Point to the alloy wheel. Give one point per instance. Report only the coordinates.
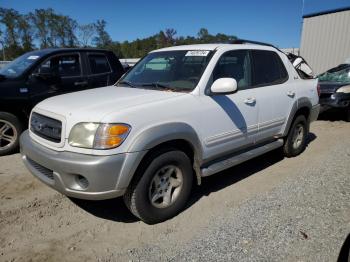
(165, 186)
(8, 134)
(298, 136)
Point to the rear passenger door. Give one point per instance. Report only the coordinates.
(99, 70)
(71, 73)
(275, 92)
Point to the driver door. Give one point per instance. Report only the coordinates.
(57, 75)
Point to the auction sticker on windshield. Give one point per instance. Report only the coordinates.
(197, 53)
(33, 57)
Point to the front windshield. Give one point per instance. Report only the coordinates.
(19, 65)
(170, 70)
(339, 74)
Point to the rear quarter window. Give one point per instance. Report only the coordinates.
(268, 68)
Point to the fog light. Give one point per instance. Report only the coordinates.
(333, 96)
(82, 181)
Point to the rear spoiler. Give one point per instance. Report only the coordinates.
(301, 66)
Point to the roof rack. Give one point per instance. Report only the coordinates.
(244, 41)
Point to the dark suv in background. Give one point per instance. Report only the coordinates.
(335, 89)
(40, 74)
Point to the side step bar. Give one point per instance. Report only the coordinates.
(235, 160)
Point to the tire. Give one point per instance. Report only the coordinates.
(10, 130)
(169, 196)
(295, 142)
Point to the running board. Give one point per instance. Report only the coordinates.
(235, 160)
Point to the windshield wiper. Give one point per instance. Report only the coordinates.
(127, 83)
(159, 86)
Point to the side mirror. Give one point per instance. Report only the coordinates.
(224, 86)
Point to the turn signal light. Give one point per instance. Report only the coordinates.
(117, 130)
(111, 135)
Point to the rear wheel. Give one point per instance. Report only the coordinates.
(163, 189)
(10, 130)
(295, 142)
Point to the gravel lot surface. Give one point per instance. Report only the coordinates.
(268, 209)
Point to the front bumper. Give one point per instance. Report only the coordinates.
(63, 171)
(338, 100)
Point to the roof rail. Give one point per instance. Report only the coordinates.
(244, 41)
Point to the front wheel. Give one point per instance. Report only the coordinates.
(10, 130)
(295, 142)
(163, 189)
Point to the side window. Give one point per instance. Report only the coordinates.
(99, 64)
(66, 65)
(45, 67)
(69, 65)
(234, 64)
(268, 68)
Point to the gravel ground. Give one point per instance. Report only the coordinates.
(268, 209)
(303, 219)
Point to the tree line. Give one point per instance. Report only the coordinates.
(44, 28)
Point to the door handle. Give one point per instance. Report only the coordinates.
(250, 101)
(82, 83)
(290, 93)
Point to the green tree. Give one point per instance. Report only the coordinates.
(66, 31)
(9, 18)
(170, 36)
(102, 39)
(26, 33)
(40, 21)
(86, 34)
(2, 43)
(50, 29)
(203, 35)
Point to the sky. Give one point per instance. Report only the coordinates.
(275, 21)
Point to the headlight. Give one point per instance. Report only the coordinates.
(98, 136)
(83, 135)
(344, 89)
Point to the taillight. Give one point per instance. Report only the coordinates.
(318, 90)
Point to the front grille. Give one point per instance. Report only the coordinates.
(42, 170)
(46, 127)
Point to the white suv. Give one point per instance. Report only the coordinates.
(180, 114)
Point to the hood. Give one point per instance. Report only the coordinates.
(96, 103)
(330, 87)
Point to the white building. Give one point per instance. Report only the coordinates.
(325, 40)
